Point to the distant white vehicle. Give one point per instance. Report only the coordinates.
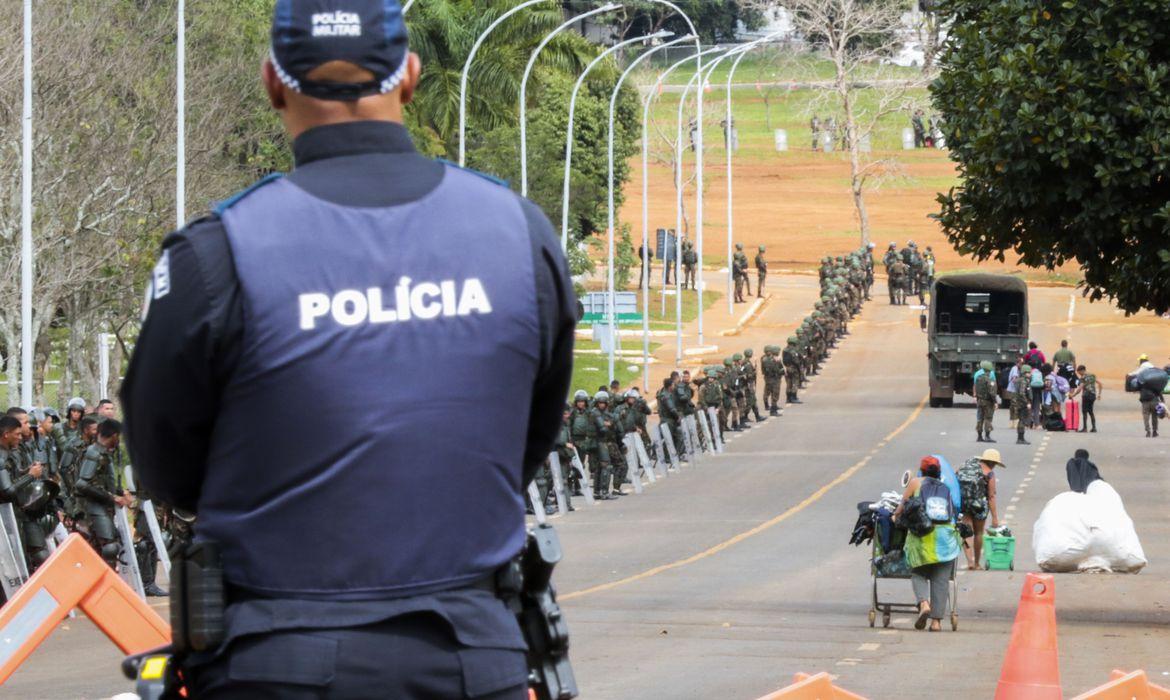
(911, 56)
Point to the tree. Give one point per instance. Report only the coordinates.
(443, 33)
(715, 20)
(855, 35)
(548, 122)
(1058, 115)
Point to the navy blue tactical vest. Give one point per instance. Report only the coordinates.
(362, 451)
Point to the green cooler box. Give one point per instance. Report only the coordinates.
(999, 552)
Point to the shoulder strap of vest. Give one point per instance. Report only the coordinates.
(490, 178)
(231, 201)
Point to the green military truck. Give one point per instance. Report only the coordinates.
(974, 317)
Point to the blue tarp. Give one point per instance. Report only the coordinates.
(952, 481)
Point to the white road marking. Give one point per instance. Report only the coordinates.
(869, 646)
(1011, 507)
(848, 662)
(1015, 499)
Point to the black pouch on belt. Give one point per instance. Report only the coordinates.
(197, 599)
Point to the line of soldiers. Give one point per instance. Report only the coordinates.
(595, 427)
(909, 271)
(739, 272)
(68, 475)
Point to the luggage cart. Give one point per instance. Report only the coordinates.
(888, 608)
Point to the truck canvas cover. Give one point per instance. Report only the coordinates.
(980, 304)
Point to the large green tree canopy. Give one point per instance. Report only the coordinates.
(1058, 115)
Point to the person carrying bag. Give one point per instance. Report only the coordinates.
(932, 542)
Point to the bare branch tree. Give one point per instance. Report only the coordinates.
(855, 35)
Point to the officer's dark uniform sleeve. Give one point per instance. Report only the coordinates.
(189, 343)
(557, 305)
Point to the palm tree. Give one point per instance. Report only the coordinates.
(442, 32)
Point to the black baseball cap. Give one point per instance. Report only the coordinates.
(371, 34)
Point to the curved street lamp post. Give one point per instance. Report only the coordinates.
(647, 103)
(467, 72)
(610, 271)
(608, 7)
(570, 131)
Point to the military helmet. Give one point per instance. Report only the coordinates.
(727, 362)
(632, 394)
(870, 246)
(911, 244)
(986, 366)
(601, 396)
(739, 246)
(1025, 368)
(893, 245)
(748, 353)
(75, 402)
(763, 249)
(738, 357)
(581, 395)
(793, 340)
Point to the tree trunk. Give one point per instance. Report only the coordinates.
(853, 143)
(42, 354)
(12, 342)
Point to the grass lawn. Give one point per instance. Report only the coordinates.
(591, 371)
(666, 322)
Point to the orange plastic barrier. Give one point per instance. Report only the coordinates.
(1127, 686)
(76, 577)
(818, 687)
(1031, 668)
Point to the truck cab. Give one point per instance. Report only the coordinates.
(973, 318)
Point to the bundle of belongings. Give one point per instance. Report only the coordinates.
(875, 520)
(1087, 527)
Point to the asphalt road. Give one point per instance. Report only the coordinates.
(725, 579)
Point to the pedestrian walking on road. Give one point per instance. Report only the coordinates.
(977, 484)
(987, 396)
(1088, 389)
(1034, 357)
(930, 551)
(1022, 402)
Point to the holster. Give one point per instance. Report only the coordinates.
(198, 600)
(525, 585)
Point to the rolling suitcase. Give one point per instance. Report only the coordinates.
(1072, 416)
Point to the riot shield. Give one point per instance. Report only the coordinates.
(554, 465)
(583, 473)
(668, 443)
(633, 462)
(645, 458)
(11, 560)
(537, 504)
(160, 545)
(713, 417)
(127, 561)
(12, 532)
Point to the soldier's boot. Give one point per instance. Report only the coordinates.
(756, 411)
(978, 436)
(775, 411)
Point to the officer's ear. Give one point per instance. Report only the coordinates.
(410, 82)
(273, 86)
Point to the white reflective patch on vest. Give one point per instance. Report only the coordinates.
(161, 280)
(413, 302)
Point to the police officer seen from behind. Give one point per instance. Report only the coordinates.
(359, 549)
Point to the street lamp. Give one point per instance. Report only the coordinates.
(646, 215)
(524, 88)
(467, 72)
(181, 118)
(26, 216)
(572, 113)
(741, 52)
(612, 112)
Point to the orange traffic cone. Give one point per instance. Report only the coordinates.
(1031, 668)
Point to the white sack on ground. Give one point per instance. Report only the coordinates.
(1087, 532)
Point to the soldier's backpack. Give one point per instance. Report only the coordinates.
(973, 486)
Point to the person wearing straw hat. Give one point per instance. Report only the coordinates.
(977, 484)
